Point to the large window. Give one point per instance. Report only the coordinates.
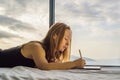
(22, 21)
(95, 27)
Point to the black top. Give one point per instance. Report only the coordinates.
(13, 57)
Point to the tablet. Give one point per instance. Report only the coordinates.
(92, 67)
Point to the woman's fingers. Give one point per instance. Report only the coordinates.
(80, 63)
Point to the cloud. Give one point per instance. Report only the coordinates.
(23, 18)
(14, 24)
(4, 34)
(93, 18)
(12, 28)
(90, 11)
(15, 8)
(4, 20)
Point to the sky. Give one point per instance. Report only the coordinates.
(22, 21)
(95, 24)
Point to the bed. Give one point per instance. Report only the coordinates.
(27, 73)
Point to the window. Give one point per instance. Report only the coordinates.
(95, 26)
(22, 21)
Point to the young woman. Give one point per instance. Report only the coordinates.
(53, 52)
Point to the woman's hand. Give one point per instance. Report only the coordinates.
(79, 63)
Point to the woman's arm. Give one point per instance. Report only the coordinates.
(38, 55)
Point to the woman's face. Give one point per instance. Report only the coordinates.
(65, 41)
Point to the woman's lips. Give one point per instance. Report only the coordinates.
(64, 47)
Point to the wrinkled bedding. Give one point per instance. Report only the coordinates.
(27, 73)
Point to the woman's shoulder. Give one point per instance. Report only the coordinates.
(33, 44)
(31, 47)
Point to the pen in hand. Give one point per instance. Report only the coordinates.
(80, 53)
(81, 57)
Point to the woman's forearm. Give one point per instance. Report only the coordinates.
(58, 66)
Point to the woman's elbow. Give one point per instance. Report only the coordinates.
(44, 67)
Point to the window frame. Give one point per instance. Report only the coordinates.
(51, 12)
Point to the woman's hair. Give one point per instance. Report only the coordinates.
(50, 45)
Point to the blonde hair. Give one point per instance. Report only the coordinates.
(49, 44)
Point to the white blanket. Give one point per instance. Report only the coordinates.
(27, 73)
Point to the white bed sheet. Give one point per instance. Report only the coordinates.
(27, 73)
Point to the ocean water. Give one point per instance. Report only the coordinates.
(107, 62)
(104, 62)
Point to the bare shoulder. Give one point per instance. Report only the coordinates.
(31, 48)
(32, 45)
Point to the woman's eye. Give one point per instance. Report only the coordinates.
(66, 39)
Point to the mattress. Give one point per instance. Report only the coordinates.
(27, 73)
